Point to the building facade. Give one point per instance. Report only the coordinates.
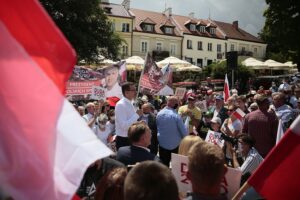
(199, 41)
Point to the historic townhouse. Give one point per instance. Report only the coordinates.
(203, 43)
(241, 41)
(165, 34)
(155, 33)
(122, 23)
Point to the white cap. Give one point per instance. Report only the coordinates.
(216, 120)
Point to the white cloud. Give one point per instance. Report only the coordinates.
(249, 13)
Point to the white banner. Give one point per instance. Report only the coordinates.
(98, 93)
(229, 185)
(180, 92)
(214, 138)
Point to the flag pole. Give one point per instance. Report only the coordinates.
(241, 191)
(142, 73)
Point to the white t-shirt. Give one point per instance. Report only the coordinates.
(102, 135)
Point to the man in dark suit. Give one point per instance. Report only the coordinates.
(139, 135)
(150, 120)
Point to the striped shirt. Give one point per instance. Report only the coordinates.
(251, 162)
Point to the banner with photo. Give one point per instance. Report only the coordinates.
(83, 78)
(154, 80)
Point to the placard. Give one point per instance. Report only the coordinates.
(98, 93)
(214, 138)
(229, 185)
(180, 92)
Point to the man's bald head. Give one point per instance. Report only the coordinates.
(172, 101)
(146, 108)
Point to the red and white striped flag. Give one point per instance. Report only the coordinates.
(239, 114)
(45, 145)
(226, 92)
(278, 176)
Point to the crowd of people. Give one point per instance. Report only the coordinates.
(143, 133)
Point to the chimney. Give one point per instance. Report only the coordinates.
(192, 15)
(235, 25)
(168, 12)
(126, 4)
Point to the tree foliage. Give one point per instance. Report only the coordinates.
(86, 27)
(282, 29)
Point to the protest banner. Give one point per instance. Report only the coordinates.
(214, 138)
(81, 87)
(229, 185)
(151, 77)
(180, 92)
(98, 93)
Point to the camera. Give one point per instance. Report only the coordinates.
(232, 140)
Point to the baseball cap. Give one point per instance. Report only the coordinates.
(112, 101)
(192, 96)
(219, 97)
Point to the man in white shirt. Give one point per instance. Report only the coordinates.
(90, 117)
(125, 114)
(112, 82)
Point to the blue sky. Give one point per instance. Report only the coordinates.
(249, 13)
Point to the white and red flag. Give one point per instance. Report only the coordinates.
(278, 176)
(226, 92)
(239, 114)
(45, 146)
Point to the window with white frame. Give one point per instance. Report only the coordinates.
(232, 47)
(200, 45)
(125, 27)
(189, 44)
(212, 30)
(113, 26)
(125, 50)
(168, 30)
(209, 46)
(144, 46)
(193, 27)
(158, 46)
(173, 49)
(148, 28)
(202, 29)
(219, 48)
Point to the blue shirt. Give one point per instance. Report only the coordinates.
(170, 128)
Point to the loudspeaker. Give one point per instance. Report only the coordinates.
(232, 58)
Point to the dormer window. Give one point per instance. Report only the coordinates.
(212, 30)
(202, 29)
(192, 27)
(168, 30)
(148, 28)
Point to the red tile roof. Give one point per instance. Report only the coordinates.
(234, 33)
(148, 21)
(181, 22)
(116, 10)
(158, 18)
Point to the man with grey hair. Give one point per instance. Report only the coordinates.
(282, 110)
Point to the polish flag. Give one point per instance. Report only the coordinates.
(239, 114)
(45, 146)
(226, 92)
(278, 176)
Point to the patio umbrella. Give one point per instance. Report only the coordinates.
(174, 62)
(134, 63)
(191, 68)
(255, 64)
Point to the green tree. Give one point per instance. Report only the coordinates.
(86, 27)
(282, 29)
